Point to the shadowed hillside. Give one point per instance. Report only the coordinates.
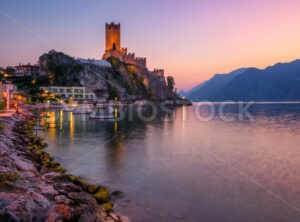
(280, 82)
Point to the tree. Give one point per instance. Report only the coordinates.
(170, 83)
(10, 70)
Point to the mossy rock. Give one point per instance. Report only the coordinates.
(28, 131)
(102, 196)
(43, 145)
(92, 189)
(30, 148)
(118, 193)
(58, 169)
(54, 164)
(5, 187)
(72, 177)
(78, 181)
(108, 206)
(11, 176)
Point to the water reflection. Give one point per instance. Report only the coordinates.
(71, 126)
(165, 169)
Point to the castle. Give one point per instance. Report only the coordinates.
(113, 49)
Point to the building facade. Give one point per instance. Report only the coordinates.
(28, 70)
(71, 92)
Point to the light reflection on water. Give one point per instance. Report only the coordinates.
(182, 170)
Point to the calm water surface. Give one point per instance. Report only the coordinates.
(189, 170)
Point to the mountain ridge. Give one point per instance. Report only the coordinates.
(279, 82)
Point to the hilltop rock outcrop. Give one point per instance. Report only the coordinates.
(123, 80)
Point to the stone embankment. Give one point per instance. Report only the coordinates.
(35, 188)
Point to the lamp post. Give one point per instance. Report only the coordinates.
(7, 98)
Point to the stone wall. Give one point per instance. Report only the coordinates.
(126, 57)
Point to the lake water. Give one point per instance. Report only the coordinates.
(185, 169)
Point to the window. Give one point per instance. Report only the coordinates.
(76, 90)
(76, 96)
(86, 96)
(54, 90)
(69, 90)
(61, 90)
(81, 90)
(91, 96)
(63, 96)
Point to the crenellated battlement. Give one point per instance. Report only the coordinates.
(158, 72)
(113, 26)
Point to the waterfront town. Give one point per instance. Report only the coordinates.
(149, 111)
(31, 95)
(57, 79)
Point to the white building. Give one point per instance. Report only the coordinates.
(70, 92)
(27, 70)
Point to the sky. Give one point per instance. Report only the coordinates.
(191, 39)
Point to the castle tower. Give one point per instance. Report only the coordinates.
(113, 36)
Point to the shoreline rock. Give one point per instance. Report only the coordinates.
(34, 188)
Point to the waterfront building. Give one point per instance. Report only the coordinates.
(28, 70)
(70, 92)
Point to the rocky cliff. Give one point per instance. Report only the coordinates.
(122, 80)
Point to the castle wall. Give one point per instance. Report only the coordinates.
(158, 72)
(127, 58)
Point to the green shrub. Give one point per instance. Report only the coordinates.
(1, 105)
(113, 92)
(115, 62)
(1, 126)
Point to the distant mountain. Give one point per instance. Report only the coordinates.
(182, 93)
(216, 83)
(280, 82)
(186, 94)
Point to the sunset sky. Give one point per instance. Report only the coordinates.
(191, 39)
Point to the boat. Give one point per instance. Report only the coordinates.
(68, 108)
(83, 111)
(101, 116)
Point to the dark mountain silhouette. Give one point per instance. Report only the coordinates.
(212, 86)
(183, 93)
(280, 82)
